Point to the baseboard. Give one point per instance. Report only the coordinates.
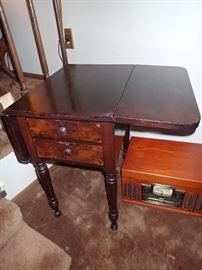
(20, 196)
(28, 190)
(33, 75)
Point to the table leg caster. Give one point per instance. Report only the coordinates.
(114, 226)
(57, 213)
(113, 218)
(53, 203)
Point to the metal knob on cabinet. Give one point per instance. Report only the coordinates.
(62, 131)
(67, 151)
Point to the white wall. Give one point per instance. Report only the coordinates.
(139, 32)
(16, 176)
(163, 32)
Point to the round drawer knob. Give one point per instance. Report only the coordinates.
(67, 152)
(62, 131)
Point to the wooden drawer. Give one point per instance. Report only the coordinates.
(62, 129)
(84, 153)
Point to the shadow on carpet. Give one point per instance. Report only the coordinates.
(147, 239)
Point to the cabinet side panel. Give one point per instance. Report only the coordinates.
(15, 136)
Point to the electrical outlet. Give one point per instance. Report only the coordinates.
(68, 38)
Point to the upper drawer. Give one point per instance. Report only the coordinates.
(73, 130)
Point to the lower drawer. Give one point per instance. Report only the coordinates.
(75, 152)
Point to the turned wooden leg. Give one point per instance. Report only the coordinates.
(111, 190)
(109, 169)
(43, 175)
(126, 141)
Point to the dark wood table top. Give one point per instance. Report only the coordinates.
(160, 97)
(148, 96)
(78, 92)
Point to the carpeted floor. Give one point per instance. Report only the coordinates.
(146, 239)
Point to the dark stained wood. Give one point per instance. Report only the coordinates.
(177, 164)
(3, 60)
(70, 118)
(75, 152)
(28, 140)
(57, 5)
(28, 190)
(126, 140)
(15, 135)
(41, 169)
(11, 48)
(66, 130)
(78, 92)
(159, 97)
(109, 155)
(43, 176)
(37, 36)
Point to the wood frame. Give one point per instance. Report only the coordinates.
(58, 16)
(11, 49)
(38, 39)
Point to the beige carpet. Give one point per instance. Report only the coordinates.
(146, 239)
(22, 248)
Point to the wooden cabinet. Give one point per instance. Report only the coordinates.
(163, 174)
(71, 116)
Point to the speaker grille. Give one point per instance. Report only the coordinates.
(192, 202)
(132, 191)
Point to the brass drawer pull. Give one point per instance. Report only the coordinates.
(62, 131)
(67, 152)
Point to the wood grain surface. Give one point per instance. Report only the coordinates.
(162, 161)
(159, 97)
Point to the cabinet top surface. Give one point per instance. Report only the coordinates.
(162, 158)
(148, 96)
(79, 92)
(158, 96)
